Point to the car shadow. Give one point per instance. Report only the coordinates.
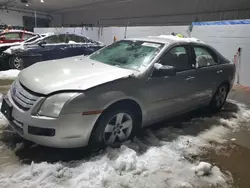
(178, 126)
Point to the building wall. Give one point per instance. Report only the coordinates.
(227, 38)
(160, 12)
(11, 17)
(106, 34)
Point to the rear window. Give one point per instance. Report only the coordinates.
(78, 39)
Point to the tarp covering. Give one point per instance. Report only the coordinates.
(226, 22)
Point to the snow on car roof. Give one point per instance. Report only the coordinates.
(167, 39)
(176, 38)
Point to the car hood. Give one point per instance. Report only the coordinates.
(75, 73)
(5, 46)
(15, 49)
(9, 44)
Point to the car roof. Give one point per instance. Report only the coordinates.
(168, 39)
(18, 31)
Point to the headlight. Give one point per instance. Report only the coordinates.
(53, 105)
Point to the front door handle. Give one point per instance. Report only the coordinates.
(219, 71)
(190, 78)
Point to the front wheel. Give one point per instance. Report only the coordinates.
(219, 98)
(16, 63)
(114, 127)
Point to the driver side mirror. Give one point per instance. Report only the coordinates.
(163, 70)
(42, 43)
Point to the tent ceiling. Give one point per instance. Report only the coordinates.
(56, 6)
(63, 6)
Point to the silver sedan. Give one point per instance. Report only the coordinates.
(104, 99)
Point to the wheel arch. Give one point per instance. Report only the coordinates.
(132, 104)
(128, 103)
(227, 83)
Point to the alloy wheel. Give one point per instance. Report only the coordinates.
(17, 63)
(118, 129)
(221, 96)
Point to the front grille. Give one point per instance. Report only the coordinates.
(22, 97)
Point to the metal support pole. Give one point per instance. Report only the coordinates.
(238, 61)
(126, 29)
(35, 19)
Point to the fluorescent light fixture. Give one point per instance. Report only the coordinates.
(42, 1)
(123, 1)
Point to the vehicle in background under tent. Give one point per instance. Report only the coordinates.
(5, 46)
(15, 36)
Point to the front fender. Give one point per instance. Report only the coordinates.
(93, 102)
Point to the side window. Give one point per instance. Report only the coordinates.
(204, 57)
(74, 39)
(27, 36)
(52, 39)
(63, 38)
(178, 58)
(13, 36)
(84, 39)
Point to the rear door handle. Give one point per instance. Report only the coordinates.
(219, 71)
(190, 78)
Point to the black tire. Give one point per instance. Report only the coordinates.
(16, 62)
(97, 139)
(219, 98)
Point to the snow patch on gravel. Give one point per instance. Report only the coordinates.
(9, 74)
(166, 161)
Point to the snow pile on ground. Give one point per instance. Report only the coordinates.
(203, 168)
(158, 167)
(162, 158)
(9, 74)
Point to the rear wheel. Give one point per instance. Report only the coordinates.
(219, 98)
(16, 63)
(114, 127)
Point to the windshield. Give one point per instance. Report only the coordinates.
(32, 39)
(128, 54)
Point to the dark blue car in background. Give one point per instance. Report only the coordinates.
(50, 47)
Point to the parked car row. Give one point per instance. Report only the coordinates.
(13, 45)
(45, 47)
(106, 98)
